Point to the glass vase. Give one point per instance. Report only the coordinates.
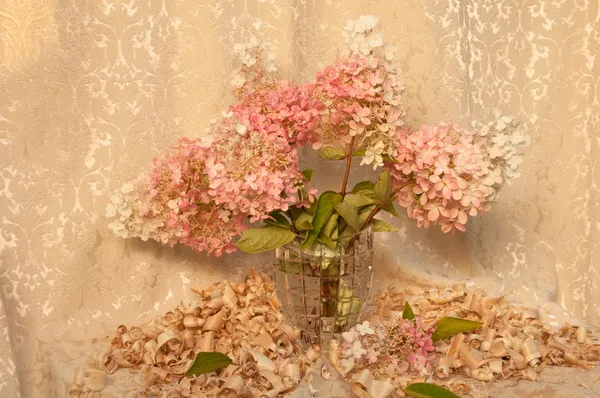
(322, 290)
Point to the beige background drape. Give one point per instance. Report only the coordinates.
(91, 90)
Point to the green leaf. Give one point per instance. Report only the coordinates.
(358, 200)
(427, 390)
(449, 326)
(331, 153)
(364, 214)
(262, 239)
(330, 225)
(323, 210)
(382, 226)
(408, 312)
(389, 159)
(383, 187)
(346, 232)
(334, 234)
(326, 241)
(279, 221)
(363, 186)
(308, 174)
(207, 362)
(349, 213)
(362, 152)
(295, 212)
(303, 222)
(391, 209)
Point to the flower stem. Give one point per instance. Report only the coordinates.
(368, 220)
(379, 207)
(348, 163)
(400, 188)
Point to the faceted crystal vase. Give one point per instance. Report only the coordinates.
(323, 290)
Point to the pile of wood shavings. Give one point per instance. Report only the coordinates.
(512, 343)
(240, 320)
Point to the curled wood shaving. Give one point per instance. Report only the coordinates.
(86, 381)
(375, 388)
(512, 342)
(240, 320)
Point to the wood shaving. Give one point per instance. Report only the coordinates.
(240, 320)
(512, 343)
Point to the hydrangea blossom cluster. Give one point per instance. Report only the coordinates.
(289, 110)
(361, 96)
(170, 204)
(202, 191)
(389, 349)
(251, 167)
(257, 60)
(445, 173)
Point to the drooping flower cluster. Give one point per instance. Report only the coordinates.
(170, 204)
(361, 96)
(447, 173)
(389, 349)
(201, 193)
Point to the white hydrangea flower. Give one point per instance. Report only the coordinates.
(374, 40)
(349, 336)
(111, 210)
(511, 174)
(502, 142)
(365, 23)
(514, 161)
(364, 328)
(389, 51)
(254, 53)
(127, 188)
(118, 228)
(238, 80)
(116, 199)
(174, 205)
(373, 155)
(348, 364)
(355, 351)
(359, 35)
(224, 215)
(240, 128)
(496, 152)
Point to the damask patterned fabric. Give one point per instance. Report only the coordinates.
(92, 90)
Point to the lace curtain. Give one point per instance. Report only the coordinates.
(90, 91)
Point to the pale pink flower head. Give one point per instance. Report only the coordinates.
(285, 108)
(255, 172)
(443, 171)
(361, 97)
(389, 348)
(172, 203)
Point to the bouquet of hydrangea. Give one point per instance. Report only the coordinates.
(206, 192)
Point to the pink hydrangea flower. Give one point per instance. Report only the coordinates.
(202, 191)
(360, 96)
(390, 348)
(257, 171)
(443, 173)
(287, 109)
